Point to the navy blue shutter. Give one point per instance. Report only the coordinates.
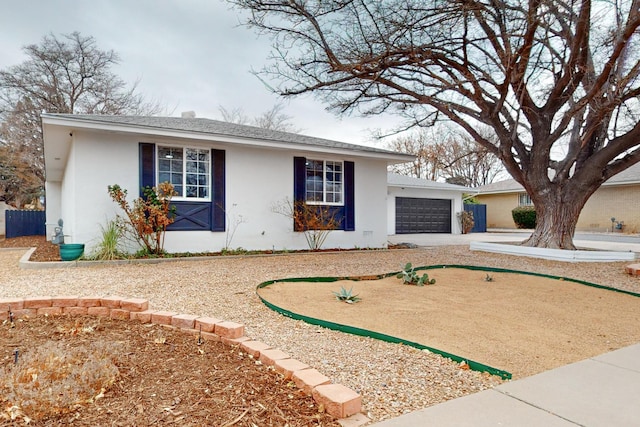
(147, 165)
(218, 185)
(349, 221)
(299, 178)
(299, 184)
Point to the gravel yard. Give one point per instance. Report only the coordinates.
(393, 379)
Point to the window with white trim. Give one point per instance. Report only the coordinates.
(188, 169)
(524, 200)
(325, 182)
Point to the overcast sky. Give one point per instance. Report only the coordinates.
(192, 55)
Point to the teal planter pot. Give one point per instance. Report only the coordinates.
(71, 251)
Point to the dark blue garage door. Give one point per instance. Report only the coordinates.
(415, 215)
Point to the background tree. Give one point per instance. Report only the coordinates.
(67, 74)
(557, 82)
(424, 145)
(273, 119)
(21, 157)
(468, 163)
(456, 158)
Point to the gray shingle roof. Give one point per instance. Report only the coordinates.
(628, 176)
(216, 127)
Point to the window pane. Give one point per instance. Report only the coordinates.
(192, 167)
(185, 165)
(324, 181)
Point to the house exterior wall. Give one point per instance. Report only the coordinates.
(620, 202)
(423, 193)
(499, 207)
(53, 192)
(257, 180)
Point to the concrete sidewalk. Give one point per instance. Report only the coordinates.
(600, 391)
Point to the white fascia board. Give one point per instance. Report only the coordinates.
(220, 138)
(435, 187)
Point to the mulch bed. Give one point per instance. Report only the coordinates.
(46, 251)
(165, 377)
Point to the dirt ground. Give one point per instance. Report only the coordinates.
(237, 391)
(491, 322)
(164, 378)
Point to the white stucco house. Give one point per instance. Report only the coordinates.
(417, 205)
(229, 178)
(3, 208)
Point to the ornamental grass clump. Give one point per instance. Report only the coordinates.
(109, 246)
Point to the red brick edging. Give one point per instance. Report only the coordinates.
(633, 269)
(338, 400)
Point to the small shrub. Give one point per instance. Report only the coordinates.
(53, 380)
(524, 216)
(149, 216)
(488, 278)
(347, 296)
(410, 277)
(466, 221)
(315, 221)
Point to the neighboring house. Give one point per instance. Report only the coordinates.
(417, 205)
(230, 179)
(617, 198)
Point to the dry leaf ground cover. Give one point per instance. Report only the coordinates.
(392, 379)
(90, 371)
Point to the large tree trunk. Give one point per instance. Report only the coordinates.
(556, 219)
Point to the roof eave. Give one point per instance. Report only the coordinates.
(83, 123)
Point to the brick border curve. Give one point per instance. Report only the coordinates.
(633, 269)
(338, 400)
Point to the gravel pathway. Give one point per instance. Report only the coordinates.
(393, 379)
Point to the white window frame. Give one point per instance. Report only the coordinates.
(524, 199)
(184, 171)
(324, 183)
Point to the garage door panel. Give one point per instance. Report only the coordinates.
(418, 215)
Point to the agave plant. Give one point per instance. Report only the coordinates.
(346, 295)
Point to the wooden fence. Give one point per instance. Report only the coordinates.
(24, 223)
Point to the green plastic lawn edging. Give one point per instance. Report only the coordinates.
(476, 366)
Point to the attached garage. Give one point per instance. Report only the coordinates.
(416, 206)
(416, 215)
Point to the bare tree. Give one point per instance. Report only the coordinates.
(21, 157)
(467, 163)
(235, 115)
(429, 154)
(273, 119)
(542, 74)
(67, 74)
(442, 155)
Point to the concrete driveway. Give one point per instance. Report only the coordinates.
(601, 241)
